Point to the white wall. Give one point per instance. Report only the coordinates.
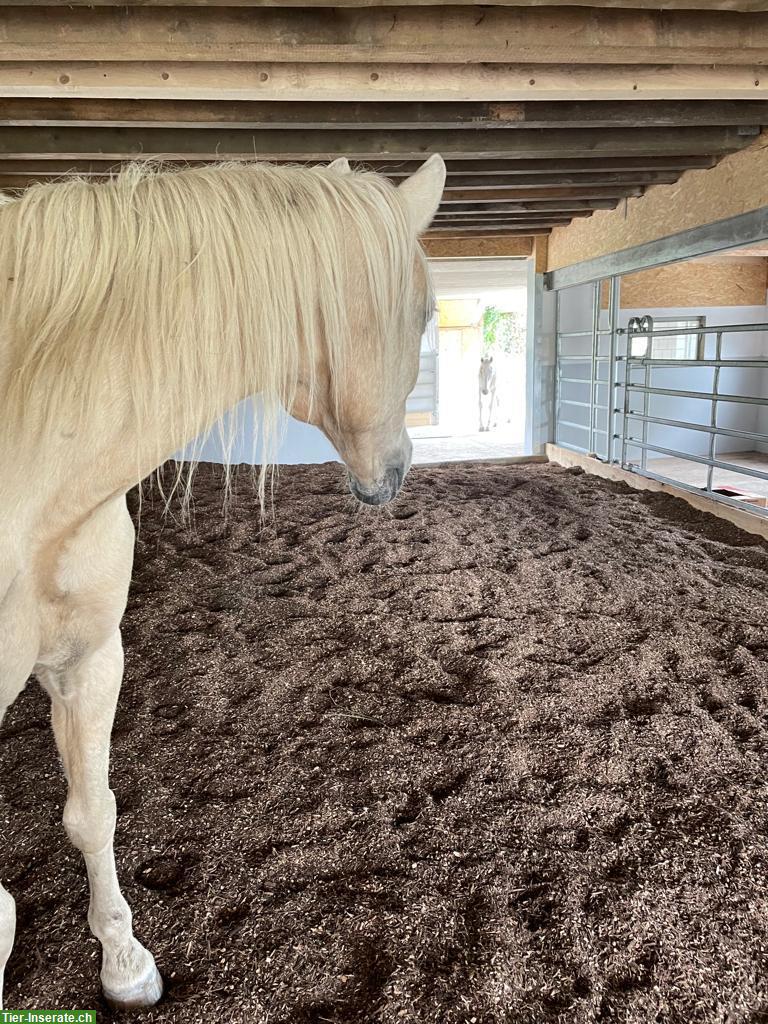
(300, 442)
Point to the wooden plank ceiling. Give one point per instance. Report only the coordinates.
(544, 111)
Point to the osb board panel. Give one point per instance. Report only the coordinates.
(512, 246)
(739, 183)
(540, 250)
(694, 283)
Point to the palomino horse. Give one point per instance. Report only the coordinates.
(486, 382)
(134, 313)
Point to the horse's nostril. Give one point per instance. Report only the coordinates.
(385, 491)
(395, 478)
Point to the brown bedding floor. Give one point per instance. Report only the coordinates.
(496, 754)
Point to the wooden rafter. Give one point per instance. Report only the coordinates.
(458, 232)
(377, 80)
(72, 111)
(502, 194)
(698, 5)
(651, 170)
(194, 143)
(569, 206)
(387, 35)
(546, 112)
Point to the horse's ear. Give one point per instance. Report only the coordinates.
(423, 191)
(341, 166)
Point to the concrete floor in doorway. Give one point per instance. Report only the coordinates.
(430, 447)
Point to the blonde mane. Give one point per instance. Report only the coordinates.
(203, 281)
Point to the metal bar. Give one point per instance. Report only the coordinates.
(731, 233)
(582, 426)
(713, 418)
(745, 435)
(581, 380)
(634, 442)
(580, 334)
(706, 395)
(718, 328)
(738, 363)
(585, 358)
(570, 401)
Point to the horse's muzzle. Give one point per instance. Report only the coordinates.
(382, 491)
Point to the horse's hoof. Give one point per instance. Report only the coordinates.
(146, 992)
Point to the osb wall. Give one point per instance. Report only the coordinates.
(511, 246)
(739, 183)
(700, 283)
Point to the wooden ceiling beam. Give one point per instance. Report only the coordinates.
(459, 232)
(507, 218)
(195, 143)
(652, 170)
(481, 213)
(258, 79)
(672, 5)
(117, 113)
(477, 197)
(410, 34)
(570, 206)
(497, 195)
(47, 170)
(633, 181)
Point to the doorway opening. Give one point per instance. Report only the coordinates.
(469, 400)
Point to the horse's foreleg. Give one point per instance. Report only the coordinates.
(14, 671)
(7, 916)
(84, 700)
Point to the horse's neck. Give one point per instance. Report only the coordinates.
(66, 474)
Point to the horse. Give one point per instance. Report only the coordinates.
(487, 390)
(133, 314)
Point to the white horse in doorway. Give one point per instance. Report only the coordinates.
(132, 315)
(486, 381)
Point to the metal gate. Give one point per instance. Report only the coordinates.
(619, 401)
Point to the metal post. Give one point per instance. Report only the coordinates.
(613, 314)
(646, 404)
(625, 419)
(593, 369)
(713, 420)
(558, 367)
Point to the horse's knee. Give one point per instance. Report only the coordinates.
(90, 824)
